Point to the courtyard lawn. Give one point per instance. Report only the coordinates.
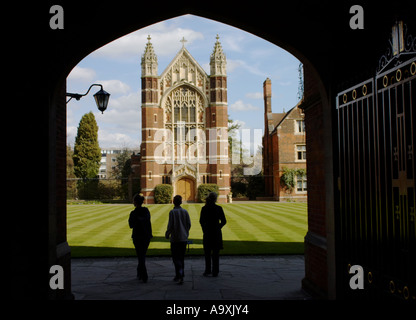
(252, 228)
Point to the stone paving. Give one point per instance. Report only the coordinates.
(240, 278)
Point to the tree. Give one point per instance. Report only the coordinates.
(87, 153)
(71, 186)
(232, 128)
(123, 170)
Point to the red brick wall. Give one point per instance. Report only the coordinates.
(59, 253)
(268, 145)
(218, 89)
(287, 153)
(316, 267)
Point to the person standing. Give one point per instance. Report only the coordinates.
(212, 220)
(178, 230)
(139, 221)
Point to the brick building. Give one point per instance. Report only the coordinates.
(184, 124)
(109, 161)
(284, 146)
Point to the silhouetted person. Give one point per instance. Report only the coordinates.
(139, 220)
(178, 230)
(212, 220)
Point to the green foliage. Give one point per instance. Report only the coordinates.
(71, 184)
(110, 189)
(205, 189)
(135, 185)
(288, 178)
(255, 187)
(163, 193)
(122, 171)
(87, 153)
(88, 189)
(238, 188)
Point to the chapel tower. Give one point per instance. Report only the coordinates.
(217, 122)
(184, 124)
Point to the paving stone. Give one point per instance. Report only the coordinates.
(240, 278)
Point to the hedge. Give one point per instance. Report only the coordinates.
(205, 189)
(163, 193)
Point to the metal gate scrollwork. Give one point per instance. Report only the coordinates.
(376, 145)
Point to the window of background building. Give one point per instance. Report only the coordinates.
(300, 126)
(301, 153)
(301, 184)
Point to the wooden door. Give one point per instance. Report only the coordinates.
(185, 188)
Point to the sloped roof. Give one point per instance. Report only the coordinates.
(183, 52)
(278, 118)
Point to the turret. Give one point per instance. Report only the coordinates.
(149, 60)
(218, 62)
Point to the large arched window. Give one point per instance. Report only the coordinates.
(185, 101)
(181, 108)
(185, 118)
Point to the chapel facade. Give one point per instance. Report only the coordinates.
(184, 124)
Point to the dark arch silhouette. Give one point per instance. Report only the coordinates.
(316, 32)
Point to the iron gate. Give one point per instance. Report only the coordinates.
(376, 222)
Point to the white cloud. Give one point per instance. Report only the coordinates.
(114, 86)
(82, 74)
(71, 133)
(165, 41)
(109, 139)
(120, 125)
(131, 101)
(122, 47)
(232, 65)
(254, 95)
(123, 113)
(239, 105)
(233, 41)
(241, 123)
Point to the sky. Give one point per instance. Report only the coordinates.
(250, 60)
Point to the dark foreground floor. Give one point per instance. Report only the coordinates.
(240, 278)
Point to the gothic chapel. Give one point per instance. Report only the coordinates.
(184, 124)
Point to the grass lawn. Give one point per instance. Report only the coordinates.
(252, 228)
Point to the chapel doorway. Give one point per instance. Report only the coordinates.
(186, 188)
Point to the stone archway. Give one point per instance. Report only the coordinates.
(316, 108)
(316, 32)
(185, 187)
